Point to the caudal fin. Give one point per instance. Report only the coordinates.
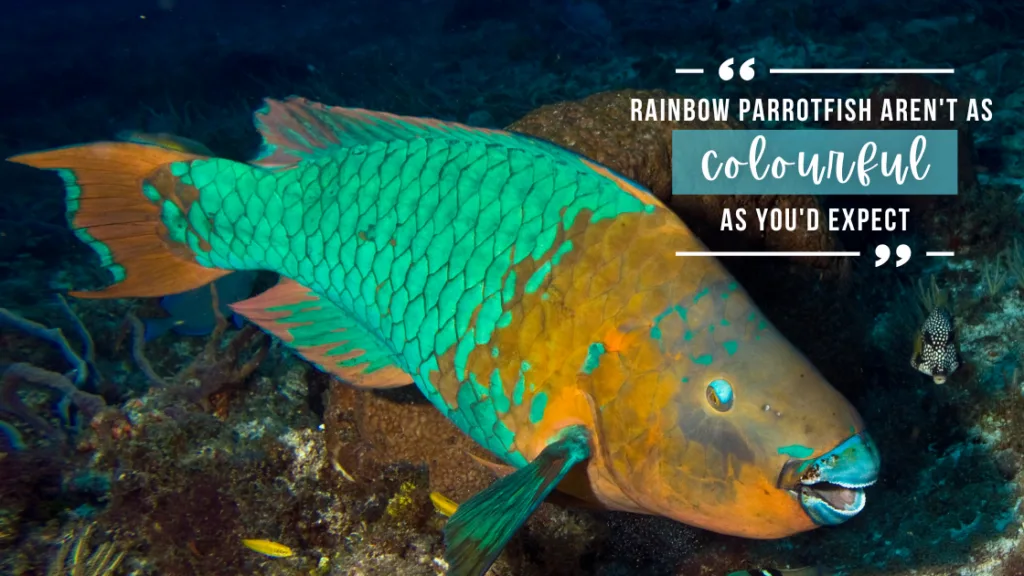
(120, 198)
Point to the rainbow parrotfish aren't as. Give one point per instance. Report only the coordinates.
(531, 294)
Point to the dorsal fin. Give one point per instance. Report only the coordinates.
(323, 334)
(298, 129)
(165, 140)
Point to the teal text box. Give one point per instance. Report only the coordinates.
(721, 161)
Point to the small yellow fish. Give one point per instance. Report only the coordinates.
(269, 548)
(442, 504)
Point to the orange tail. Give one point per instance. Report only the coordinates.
(115, 194)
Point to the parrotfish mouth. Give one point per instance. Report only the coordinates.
(830, 488)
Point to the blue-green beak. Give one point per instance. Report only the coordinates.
(831, 486)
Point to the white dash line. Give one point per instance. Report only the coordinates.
(784, 254)
(861, 70)
(689, 70)
(947, 254)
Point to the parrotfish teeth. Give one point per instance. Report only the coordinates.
(828, 513)
(831, 489)
(853, 486)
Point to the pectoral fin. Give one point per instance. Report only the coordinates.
(482, 526)
(572, 492)
(324, 334)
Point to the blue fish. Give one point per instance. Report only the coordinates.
(191, 313)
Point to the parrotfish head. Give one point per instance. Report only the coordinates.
(727, 426)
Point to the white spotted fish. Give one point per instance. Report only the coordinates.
(935, 347)
(527, 291)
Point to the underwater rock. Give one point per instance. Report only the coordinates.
(1008, 463)
(600, 128)
(367, 431)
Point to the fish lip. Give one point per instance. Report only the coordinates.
(830, 488)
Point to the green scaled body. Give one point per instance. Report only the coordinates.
(418, 242)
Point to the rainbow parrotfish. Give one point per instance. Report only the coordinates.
(531, 294)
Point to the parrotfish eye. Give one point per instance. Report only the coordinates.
(719, 395)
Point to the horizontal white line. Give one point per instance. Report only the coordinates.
(860, 70)
(689, 70)
(940, 254)
(719, 254)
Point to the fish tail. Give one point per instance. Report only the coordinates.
(130, 204)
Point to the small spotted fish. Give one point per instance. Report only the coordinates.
(531, 294)
(268, 548)
(935, 348)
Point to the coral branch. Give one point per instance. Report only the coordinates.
(88, 347)
(1015, 262)
(18, 375)
(55, 336)
(214, 370)
(139, 352)
(14, 441)
(993, 275)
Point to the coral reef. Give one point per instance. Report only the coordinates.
(78, 558)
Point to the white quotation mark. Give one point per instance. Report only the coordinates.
(883, 253)
(746, 70)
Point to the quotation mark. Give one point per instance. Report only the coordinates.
(746, 70)
(883, 253)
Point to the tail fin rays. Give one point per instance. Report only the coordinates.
(109, 187)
